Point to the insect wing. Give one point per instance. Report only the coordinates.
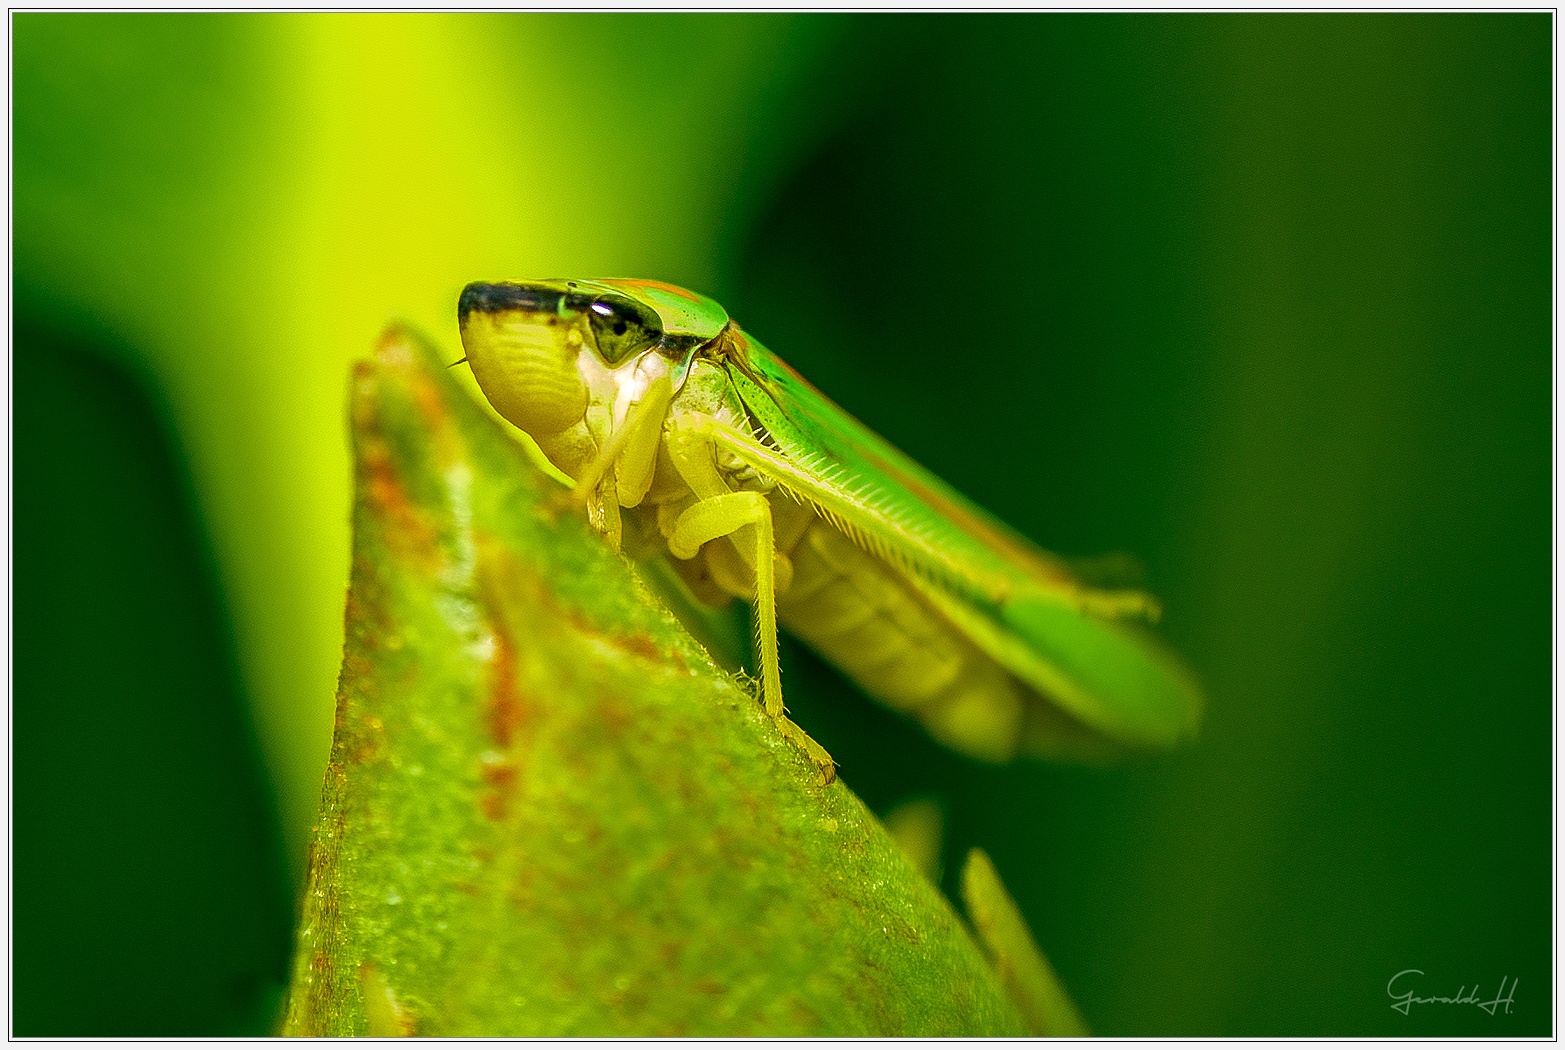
(1018, 603)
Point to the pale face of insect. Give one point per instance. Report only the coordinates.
(552, 354)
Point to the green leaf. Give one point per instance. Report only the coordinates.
(548, 812)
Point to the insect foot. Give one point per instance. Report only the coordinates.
(816, 754)
(792, 732)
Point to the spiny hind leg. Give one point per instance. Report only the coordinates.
(727, 515)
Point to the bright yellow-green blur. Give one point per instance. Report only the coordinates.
(348, 170)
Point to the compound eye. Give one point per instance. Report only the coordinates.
(622, 328)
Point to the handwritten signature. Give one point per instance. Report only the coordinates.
(1404, 1000)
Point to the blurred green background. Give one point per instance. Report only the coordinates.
(1264, 299)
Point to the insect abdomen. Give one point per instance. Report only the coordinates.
(857, 613)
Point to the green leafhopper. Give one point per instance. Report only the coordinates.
(689, 439)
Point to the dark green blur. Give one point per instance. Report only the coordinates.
(1264, 300)
(148, 886)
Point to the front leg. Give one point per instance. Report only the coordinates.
(620, 473)
(719, 514)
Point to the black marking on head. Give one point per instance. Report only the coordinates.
(496, 298)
